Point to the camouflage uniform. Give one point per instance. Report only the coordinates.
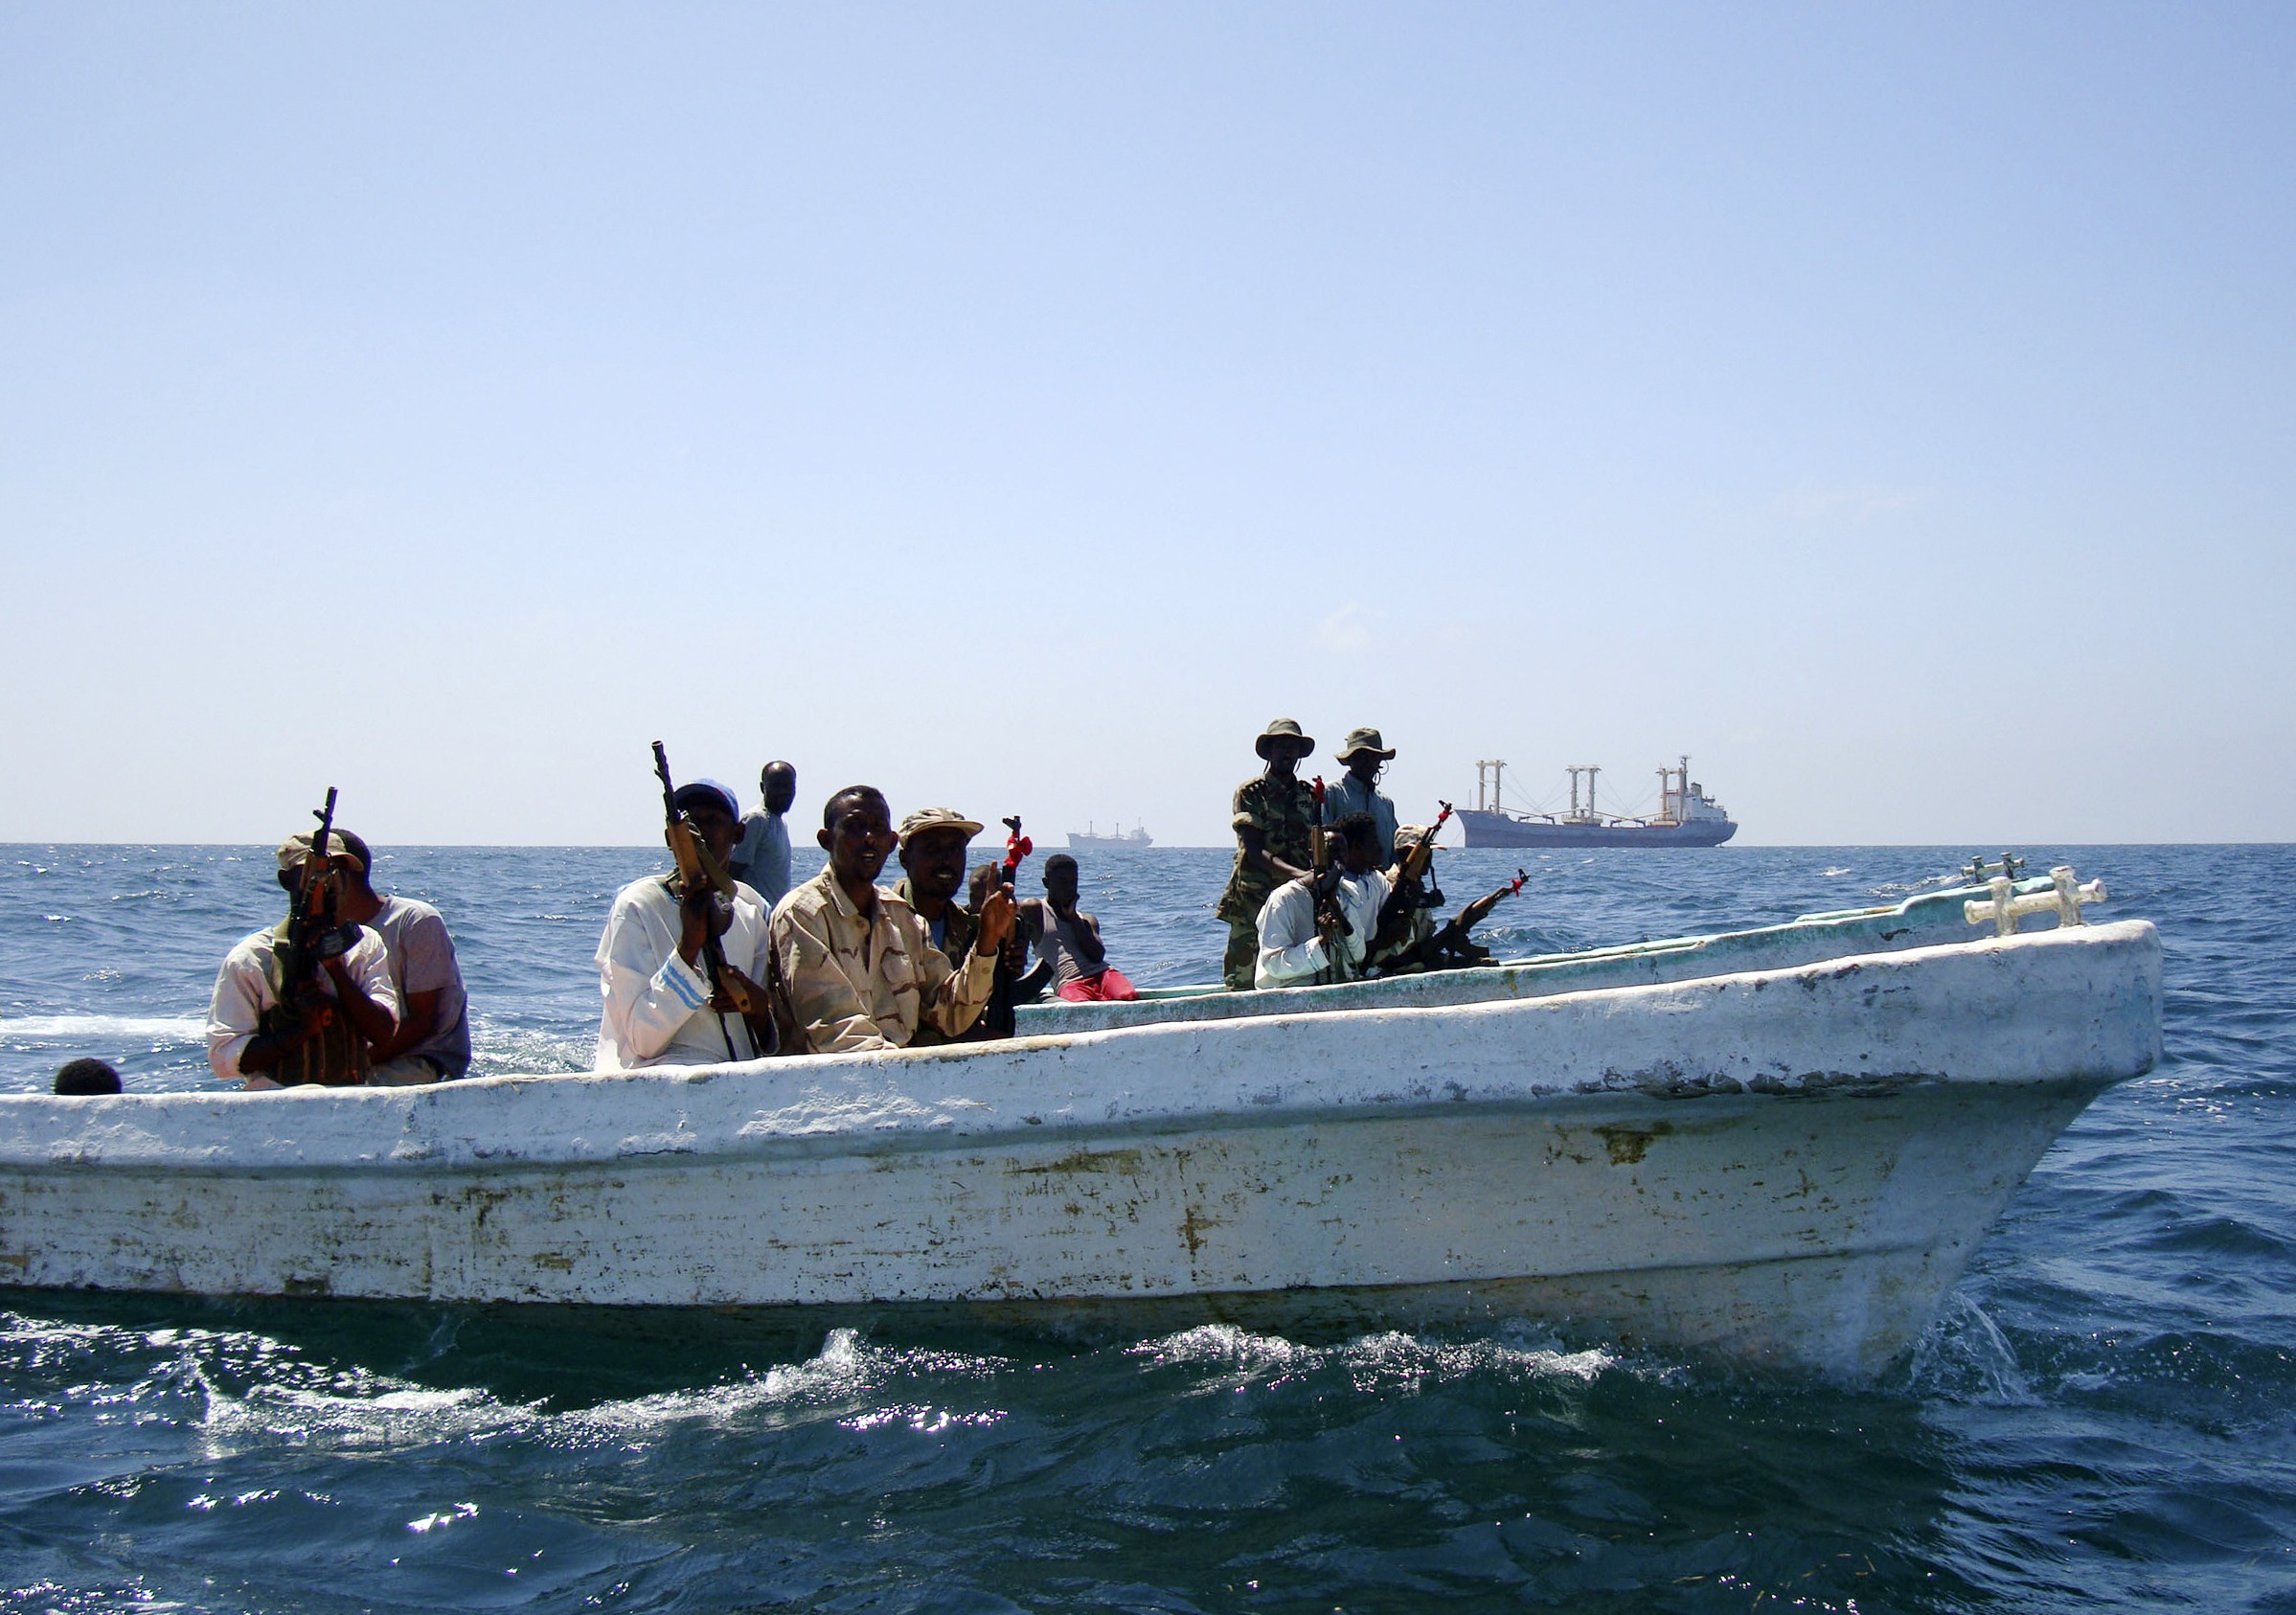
(959, 926)
(867, 981)
(1284, 812)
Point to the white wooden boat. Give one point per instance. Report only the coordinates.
(1788, 1162)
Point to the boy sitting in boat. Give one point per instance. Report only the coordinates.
(858, 967)
(1317, 928)
(1069, 941)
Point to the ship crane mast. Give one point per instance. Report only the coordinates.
(1590, 770)
(1486, 777)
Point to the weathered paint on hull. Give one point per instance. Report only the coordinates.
(1646, 1161)
(1497, 829)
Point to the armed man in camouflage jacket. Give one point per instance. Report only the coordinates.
(1274, 816)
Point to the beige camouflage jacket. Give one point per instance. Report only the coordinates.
(867, 982)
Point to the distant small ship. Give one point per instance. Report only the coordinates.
(1686, 817)
(1079, 842)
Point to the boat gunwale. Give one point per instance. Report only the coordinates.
(1505, 977)
(890, 1117)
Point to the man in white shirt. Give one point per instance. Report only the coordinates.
(266, 1031)
(1295, 950)
(661, 1007)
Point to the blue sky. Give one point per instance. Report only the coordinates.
(1018, 406)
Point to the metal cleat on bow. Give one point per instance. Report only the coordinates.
(2005, 907)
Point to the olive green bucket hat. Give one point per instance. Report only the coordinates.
(1365, 741)
(1283, 729)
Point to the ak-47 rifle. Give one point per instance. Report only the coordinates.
(1016, 848)
(1407, 894)
(1452, 948)
(311, 921)
(997, 1016)
(1323, 881)
(699, 867)
(1423, 851)
(314, 936)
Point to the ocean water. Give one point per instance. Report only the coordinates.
(2104, 1416)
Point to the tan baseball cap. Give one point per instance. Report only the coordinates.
(1407, 836)
(937, 818)
(296, 847)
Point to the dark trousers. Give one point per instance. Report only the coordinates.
(1242, 957)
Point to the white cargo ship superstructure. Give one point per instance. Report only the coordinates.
(1686, 817)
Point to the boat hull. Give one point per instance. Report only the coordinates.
(1789, 1166)
(1498, 830)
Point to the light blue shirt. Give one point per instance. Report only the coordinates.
(761, 861)
(1352, 796)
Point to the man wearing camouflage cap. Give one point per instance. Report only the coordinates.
(932, 843)
(267, 1032)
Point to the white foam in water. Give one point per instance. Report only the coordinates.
(166, 1029)
(1388, 1354)
(1964, 1357)
(372, 1413)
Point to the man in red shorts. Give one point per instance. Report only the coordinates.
(1070, 942)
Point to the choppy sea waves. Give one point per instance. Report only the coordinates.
(2105, 1414)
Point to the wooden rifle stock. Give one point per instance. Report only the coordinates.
(1403, 897)
(1423, 851)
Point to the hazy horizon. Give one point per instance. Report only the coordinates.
(1020, 405)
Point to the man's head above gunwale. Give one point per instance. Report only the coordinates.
(1363, 754)
(1359, 841)
(1283, 743)
(933, 841)
(713, 812)
(347, 855)
(777, 785)
(856, 832)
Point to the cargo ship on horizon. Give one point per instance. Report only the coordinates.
(1089, 841)
(1686, 817)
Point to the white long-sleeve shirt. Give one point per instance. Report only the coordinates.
(657, 1006)
(1292, 953)
(243, 992)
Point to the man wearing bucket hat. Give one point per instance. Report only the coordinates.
(1272, 817)
(661, 1007)
(264, 1031)
(1363, 755)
